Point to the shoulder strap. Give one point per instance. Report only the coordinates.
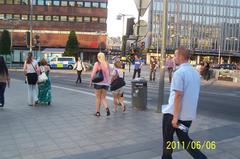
(116, 72)
(34, 67)
(99, 65)
(42, 68)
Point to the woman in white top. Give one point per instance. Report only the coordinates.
(79, 66)
(31, 71)
(118, 94)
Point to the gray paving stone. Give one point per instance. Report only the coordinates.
(34, 156)
(223, 156)
(69, 130)
(49, 148)
(138, 155)
(9, 154)
(54, 154)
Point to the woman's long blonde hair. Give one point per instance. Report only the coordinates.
(101, 57)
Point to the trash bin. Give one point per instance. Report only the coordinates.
(139, 94)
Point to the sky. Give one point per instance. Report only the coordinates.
(114, 26)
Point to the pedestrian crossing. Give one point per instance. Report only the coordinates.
(152, 88)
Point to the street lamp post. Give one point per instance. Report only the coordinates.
(30, 26)
(219, 53)
(162, 60)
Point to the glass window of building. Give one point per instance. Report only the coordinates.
(8, 16)
(24, 17)
(72, 3)
(48, 18)
(40, 17)
(95, 19)
(16, 16)
(79, 19)
(55, 18)
(25, 2)
(56, 3)
(103, 5)
(40, 2)
(49, 2)
(34, 2)
(102, 20)
(80, 4)
(1, 1)
(95, 5)
(64, 3)
(17, 2)
(63, 18)
(87, 19)
(1, 16)
(87, 4)
(34, 17)
(71, 18)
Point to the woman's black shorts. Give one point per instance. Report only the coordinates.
(96, 86)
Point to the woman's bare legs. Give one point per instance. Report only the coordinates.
(104, 101)
(115, 101)
(98, 100)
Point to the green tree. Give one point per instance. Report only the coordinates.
(72, 46)
(5, 43)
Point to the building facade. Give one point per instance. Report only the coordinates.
(210, 28)
(52, 20)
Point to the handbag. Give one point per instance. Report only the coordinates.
(117, 83)
(42, 77)
(98, 77)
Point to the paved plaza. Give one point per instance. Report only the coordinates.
(68, 130)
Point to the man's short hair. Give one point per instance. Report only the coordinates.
(184, 52)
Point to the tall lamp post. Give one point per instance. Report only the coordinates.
(163, 58)
(30, 26)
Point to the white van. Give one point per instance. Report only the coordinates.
(65, 62)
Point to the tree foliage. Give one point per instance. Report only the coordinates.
(5, 43)
(72, 46)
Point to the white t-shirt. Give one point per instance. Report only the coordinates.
(117, 70)
(79, 66)
(187, 80)
(30, 66)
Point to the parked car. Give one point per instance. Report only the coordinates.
(228, 66)
(62, 62)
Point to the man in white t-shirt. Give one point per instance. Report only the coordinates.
(182, 106)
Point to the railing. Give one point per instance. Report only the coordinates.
(227, 75)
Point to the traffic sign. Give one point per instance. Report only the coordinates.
(142, 6)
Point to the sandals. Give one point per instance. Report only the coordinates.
(108, 111)
(124, 108)
(98, 113)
